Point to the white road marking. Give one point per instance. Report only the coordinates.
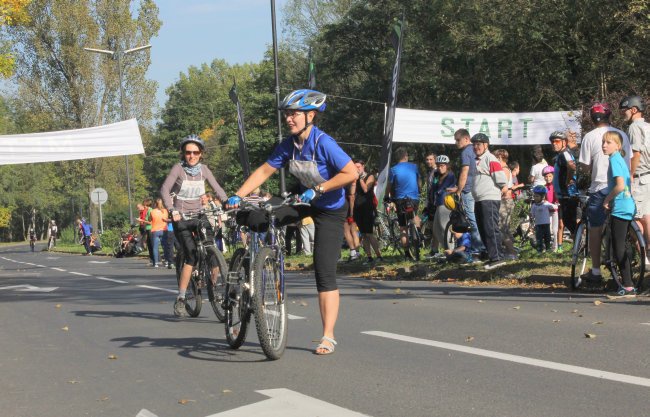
(29, 263)
(41, 266)
(112, 280)
(292, 317)
(646, 324)
(81, 273)
(595, 373)
(98, 262)
(286, 403)
(145, 413)
(28, 288)
(158, 288)
(60, 269)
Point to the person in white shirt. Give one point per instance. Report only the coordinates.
(593, 160)
(536, 177)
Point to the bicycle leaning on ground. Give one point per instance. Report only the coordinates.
(255, 285)
(634, 246)
(211, 269)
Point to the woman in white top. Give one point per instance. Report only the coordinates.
(536, 177)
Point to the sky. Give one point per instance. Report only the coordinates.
(194, 32)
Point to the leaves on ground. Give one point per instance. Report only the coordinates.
(226, 391)
(103, 398)
(556, 321)
(65, 328)
(373, 290)
(184, 401)
(111, 356)
(553, 311)
(516, 307)
(397, 291)
(590, 335)
(469, 339)
(574, 311)
(598, 322)
(480, 301)
(597, 302)
(57, 306)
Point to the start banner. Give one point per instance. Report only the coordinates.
(423, 126)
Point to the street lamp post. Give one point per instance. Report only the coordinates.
(118, 55)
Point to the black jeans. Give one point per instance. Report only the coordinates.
(543, 236)
(619, 231)
(487, 220)
(569, 213)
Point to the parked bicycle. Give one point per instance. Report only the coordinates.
(255, 285)
(634, 245)
(414, 238)
(387, 230)
(211, 269)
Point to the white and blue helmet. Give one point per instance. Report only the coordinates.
(304, 100)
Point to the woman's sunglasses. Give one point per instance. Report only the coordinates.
(192, 152)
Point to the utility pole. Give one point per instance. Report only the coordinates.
(118, 55)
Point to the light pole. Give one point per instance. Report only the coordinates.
(117, 55)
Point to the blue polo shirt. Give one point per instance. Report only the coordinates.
(330, 160)
(404, 177)
(624, 207)
(468, 158)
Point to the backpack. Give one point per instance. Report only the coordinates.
(459, 222)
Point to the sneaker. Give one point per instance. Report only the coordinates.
(355, 256)
(180, 309)
(495, 264)
(589, 278)
(626, 292)
(432, 255)
(155, 265)
(169, 265)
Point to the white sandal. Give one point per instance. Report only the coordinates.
(329, 349)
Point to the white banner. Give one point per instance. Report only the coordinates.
(422, 126)
(116, 139)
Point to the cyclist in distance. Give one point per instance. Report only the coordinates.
(323, 170)
(186, 181)
(32, 238)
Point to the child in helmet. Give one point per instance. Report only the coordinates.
(556, 239)
(541, 212)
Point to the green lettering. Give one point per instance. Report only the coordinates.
(485, 128)
(526, 121)
(447, 123)
(505, 125)
(467, 122)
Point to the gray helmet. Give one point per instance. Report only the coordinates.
(480, 137)
(558, 134)
(632, 101)
(442, 159)
(193, 139)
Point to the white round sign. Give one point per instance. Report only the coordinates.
(98, 196)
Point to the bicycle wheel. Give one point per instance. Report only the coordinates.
(193, 298)
(635, 248)
(579, 257)
(414, 241)
(214, 259)
(395, 239)
(268, 304)
(237, 311)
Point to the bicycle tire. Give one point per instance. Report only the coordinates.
(214, 258)
(448, 237)
(395, 237)
(414, 241)
(635, 247)
(237, 311)
(579, 255)
(193, 298)
(269, 305)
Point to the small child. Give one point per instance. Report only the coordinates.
(541, 212)
(551, 197)
(462, 251)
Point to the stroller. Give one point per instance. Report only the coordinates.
(129, 245)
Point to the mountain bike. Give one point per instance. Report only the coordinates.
(522, 226)
(414, 238)
(255, 285)
(211, 269)
(634, 246)
(32, 243)
(387, 231)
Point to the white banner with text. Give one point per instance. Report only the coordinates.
(423, 126)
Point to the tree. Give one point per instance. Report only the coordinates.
(12, 13)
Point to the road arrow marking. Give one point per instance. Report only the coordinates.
(286, 403)
(112, 280)
(28, 288)
(579, 370)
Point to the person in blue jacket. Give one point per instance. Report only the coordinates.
(323, 170)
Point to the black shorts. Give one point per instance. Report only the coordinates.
(407, 209)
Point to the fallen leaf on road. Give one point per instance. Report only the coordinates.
(111, 356)
(58, 306)
(184, 401)
(597, 302)
(469, 339)
(397, 291)
(226, 391)
(516, 307)
(590, 335)
(65, 328)
(73, 382)
(553, 311)
(103, 399)
(598, 322)
(480, 301)
(395, 302)
(372, 290)
(303, 303)
(556, 321)
(574, 311)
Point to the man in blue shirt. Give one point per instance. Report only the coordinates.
(405, 189)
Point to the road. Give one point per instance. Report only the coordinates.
(95, 336)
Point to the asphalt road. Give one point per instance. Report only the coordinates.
(95, 336)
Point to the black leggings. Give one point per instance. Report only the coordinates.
(619, 233)
(183, 233)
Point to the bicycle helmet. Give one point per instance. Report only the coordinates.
(548, 169)
(304, 100)
(600, 112)
(558, 134)
(442, 159)
(632, 101)
(450, 201)
(193, 139)
(480, 137)
(539, 189)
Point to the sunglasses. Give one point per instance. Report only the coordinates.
(192, 152)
